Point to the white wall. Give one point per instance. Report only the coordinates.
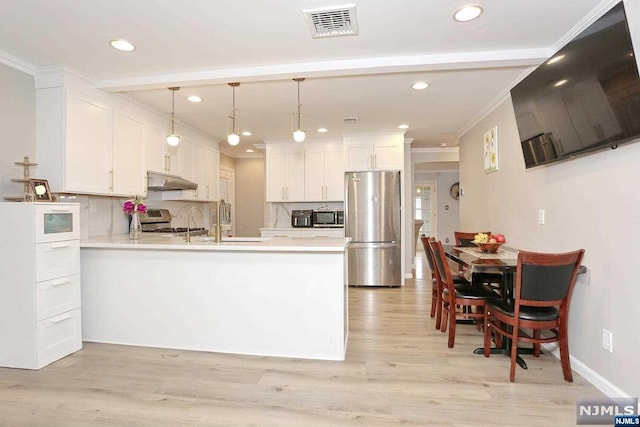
(590, 203)
(18, 124)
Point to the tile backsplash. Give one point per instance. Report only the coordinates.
(103, 216)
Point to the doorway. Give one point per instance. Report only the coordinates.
(424, 208)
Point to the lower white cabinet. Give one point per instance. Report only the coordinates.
(302, 232)
(40, 287)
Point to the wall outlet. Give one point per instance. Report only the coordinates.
(607, 340)
(541, 216)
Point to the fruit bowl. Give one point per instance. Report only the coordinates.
(489, 248)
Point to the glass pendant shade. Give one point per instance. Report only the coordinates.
(233, 139)
(299, 135)
(172, 138)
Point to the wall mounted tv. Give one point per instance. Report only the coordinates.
(585, 98)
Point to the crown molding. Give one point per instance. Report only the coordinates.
(17, 63)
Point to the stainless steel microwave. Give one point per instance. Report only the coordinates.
(328, 218)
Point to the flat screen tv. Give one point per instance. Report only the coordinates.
(583, 99)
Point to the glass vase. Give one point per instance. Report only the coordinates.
(135, 227)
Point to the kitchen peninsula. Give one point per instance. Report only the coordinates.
(272, 297)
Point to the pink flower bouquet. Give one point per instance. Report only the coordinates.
(134, 205)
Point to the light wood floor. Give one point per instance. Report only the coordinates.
(398, 371)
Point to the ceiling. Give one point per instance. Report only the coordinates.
(201, 46)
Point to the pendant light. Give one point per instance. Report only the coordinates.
(233, 136)
(298, 133)
(172, 138)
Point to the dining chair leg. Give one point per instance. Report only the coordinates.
(444, 319)
(439, 310)
(434, 296)
(564, 353)
(452, 328)
(514, 356)
(487, 335)
(536, 346)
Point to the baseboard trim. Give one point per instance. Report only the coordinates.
(601, 383)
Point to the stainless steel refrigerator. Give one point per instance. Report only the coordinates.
(372, 220)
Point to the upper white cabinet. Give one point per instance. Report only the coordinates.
(160, 156)
(211, 167)
(374, 152)
(324, 173)
(86, 147)
(284, 173)
(129, 164)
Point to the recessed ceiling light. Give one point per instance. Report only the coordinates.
(122, 45)
(555, 59)
(403, 126)
(194, 98)
(322, 130)
(467, 13)
(247, 133)
(248, 150)
(443, 144)
(420, 85)
(560, 83)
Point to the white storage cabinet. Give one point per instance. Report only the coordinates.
(285, 173)
(39, 284)
(324, 173)
(374, 152)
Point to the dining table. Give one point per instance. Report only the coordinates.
(504, 261)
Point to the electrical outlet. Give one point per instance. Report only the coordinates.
(541, 216)
(607, 340)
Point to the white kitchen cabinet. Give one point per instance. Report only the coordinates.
(284, 173)
(160, 156)
(324, 173)
(211, 165)
(374, 152)
(129, 163)
(87, 146)
(84, 147)
(40, 292)
(201, 165)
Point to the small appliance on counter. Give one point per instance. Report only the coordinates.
(302, 218)
(328, 218)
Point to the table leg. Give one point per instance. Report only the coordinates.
(507, 294)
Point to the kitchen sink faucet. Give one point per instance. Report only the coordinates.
(187, 238)
(222, 210)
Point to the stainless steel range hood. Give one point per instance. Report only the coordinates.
(166, 182)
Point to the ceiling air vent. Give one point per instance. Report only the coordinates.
(334, 21)
(350, 120)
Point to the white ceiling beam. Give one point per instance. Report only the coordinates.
(383, 65)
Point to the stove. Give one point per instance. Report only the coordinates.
(159, 221)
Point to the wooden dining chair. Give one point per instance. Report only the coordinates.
(458, 301)
(465, 239)
(436, 289)
(541, 297)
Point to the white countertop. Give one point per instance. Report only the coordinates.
(232, 244)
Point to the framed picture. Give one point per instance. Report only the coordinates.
(491, 150)
(40, 189)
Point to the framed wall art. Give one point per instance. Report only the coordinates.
(491, 150)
